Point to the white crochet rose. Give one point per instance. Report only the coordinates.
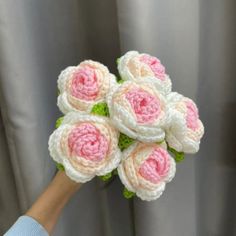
(138, 110)
(185, 129)
(83, 86)
(135, 66)
(86, 145)
(145, 169)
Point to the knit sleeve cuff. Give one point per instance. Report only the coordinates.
(26, 226)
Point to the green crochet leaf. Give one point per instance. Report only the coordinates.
(124, 141)
(115, 172)
(58, 92)
(128, 194)
(117, 61)
(60, 166)
(59, 121)
(160, 142)
(120, 81)
(106, 177)
(179, 156)
(100, 109)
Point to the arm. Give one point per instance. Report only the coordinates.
(46, 210)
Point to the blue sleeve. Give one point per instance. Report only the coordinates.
(26, 226)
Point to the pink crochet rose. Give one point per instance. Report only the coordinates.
(155, 65)
(83, 86)
(86, 141)
(135, 66)
(86, 145)
(156, 166)
(145, 106)
(138, 110)
(185, 129)
(145, 169)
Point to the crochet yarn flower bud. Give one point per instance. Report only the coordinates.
(185, 130)
(138, 110)
(135, 66)
(83, 86)
(145, 169)
(86, 145)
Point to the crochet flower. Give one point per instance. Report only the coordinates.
(83, 86)
(145, 169)
(86, 145)
(138, 110)
(185, 130)
(135, 66)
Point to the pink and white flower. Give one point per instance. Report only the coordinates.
(138, 110)
(86, 145)
(145, 169)
(83, 86)
(135, 66)
(185, 129)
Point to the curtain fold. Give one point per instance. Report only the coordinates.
(38, 40)
(161, 28)
(216, 171)
(195, 40)
(8, 192)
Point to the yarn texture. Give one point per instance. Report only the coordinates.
(185, 129)
(138, 110)
(100, 109)
(145, 169)
(86, 146)
(83, 86)
(125, 141)
(135, 66)
(131, 125)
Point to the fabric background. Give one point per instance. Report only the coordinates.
(196, 41)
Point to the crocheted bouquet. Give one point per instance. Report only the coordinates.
(132, 126)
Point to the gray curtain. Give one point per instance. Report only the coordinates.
(196, 41)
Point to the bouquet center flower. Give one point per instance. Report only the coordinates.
(145, 106)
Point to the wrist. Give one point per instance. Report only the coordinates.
(64, 183)
(52, 200)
